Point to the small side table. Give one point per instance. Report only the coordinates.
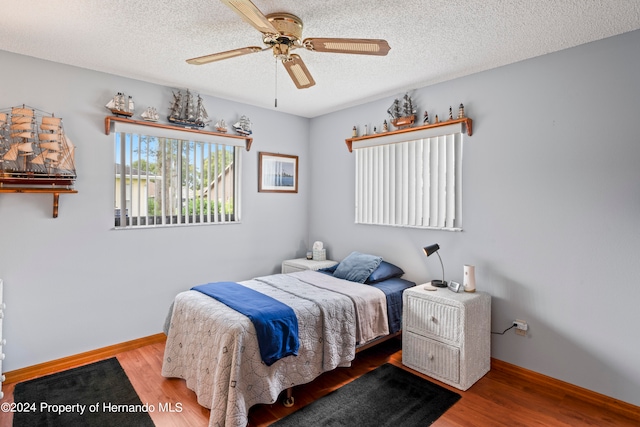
(300, 264)
(447, 335)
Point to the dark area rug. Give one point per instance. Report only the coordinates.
(95, 395)
(386, 396)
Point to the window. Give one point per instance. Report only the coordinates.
(169, 181)
(414, 183)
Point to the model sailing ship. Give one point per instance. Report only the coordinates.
(121, 105)
(150, 114)
(221, 126)
(185, 112)
(243, 126)
(34, 149)
(402, 115)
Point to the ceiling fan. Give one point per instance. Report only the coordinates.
(282, 33)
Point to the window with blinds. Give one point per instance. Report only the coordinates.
(411, 183)
(169, 181)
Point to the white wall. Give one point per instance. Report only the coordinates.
(551, 207)
(74, 284)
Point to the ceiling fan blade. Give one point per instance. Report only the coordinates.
(357, 46)
(298, 72)
(251, 14)
(223, 55)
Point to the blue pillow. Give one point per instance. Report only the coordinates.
(328, 270)
(385, 271)
(357, 267)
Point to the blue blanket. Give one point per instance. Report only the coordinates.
(276, 323)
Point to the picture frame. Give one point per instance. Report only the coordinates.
(277, 173)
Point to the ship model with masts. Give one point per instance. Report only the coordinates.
(121, 105)
(402, 113)
(221, 126)
(150, 115)
(185, 112)
(243, 126)
(34, 149)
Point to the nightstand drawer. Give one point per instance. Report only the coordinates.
(432, 319)
(433, 358)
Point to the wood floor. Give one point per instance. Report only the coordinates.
(501, 398)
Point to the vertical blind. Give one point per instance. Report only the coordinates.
(166, 181)
(413, 183)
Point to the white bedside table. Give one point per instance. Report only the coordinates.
(299, 264)
(447, 335)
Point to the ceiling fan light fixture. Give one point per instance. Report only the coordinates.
(282, 32)
(281, 51)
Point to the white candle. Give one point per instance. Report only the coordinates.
(469, 282)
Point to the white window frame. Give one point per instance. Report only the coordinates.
(213, 189)
(411, 179)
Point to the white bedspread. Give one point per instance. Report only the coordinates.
(370, 303)
(215, 349)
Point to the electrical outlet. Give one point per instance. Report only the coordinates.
(521, 327)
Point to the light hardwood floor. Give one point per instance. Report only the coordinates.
(506, 396)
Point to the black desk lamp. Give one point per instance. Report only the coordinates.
(431, 249)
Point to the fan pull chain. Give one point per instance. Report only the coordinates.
(276, 94)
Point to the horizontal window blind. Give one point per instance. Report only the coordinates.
(415, 183)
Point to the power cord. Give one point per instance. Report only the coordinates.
(502, 333)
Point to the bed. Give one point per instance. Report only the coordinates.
(215, 348)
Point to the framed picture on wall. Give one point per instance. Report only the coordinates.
(277, 173)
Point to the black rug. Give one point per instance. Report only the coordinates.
(387, 396)
(95, 395)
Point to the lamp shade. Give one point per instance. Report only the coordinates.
(428, 250)
(433, 249)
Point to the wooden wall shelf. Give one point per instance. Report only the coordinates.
(109, 119)
(467, 121)
(55, 191)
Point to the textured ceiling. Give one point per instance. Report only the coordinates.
(431, 41)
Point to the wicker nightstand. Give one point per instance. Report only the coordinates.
(447, 335)
(292, 265)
